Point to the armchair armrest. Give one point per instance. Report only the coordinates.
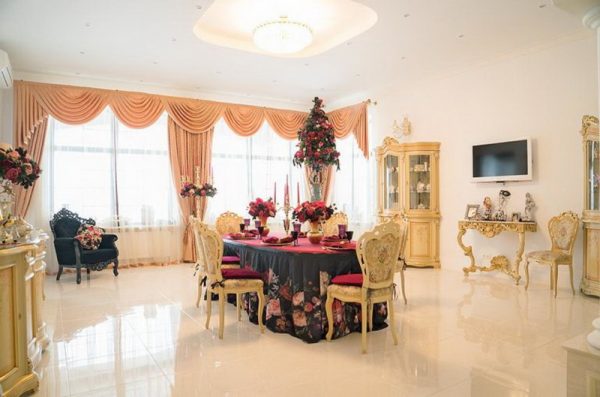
(108, 241)
(67, 250)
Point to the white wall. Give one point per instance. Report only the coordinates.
(541, 95)
(6, 108)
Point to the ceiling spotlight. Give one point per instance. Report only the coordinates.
(282, 36)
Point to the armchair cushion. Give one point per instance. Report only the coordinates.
(348, 279)
(245, 274)
(97, 256)
(89, 236)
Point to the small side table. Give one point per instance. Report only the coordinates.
(491, 229)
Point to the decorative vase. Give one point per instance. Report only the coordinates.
(263, 223)
(315, 234)
(315, 180)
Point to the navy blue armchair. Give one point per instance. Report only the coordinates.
(64, 226)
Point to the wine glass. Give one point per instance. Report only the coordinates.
(242, 227)
(257, 223)
(297, 227)
(342, 231)
(247, 222)
(349, 234)
(294, 235)
(260, 229)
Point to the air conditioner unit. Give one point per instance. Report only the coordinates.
(6, 79)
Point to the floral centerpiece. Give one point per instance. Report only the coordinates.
(316, 146)
(192, 190)
(17, 167)
(262, 209)
(313, 212)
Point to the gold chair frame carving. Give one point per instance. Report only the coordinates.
(330, 226)
(377, 251)
(563, 232)
(228, 222)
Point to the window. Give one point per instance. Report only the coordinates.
(248, 167)
(107, 171)
(354, 189)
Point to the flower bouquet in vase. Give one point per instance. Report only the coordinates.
(313, 212)
(262, 210)
(192, 190)
(16, 168)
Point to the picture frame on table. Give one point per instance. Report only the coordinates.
(516, 217)
(472, 212)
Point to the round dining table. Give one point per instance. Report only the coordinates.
(296, 279)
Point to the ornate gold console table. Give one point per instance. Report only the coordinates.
(491, 229)
(22, 330)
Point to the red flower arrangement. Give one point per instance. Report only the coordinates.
(17, 167)
(260, 208)
(316, 141)
(313, 211)
(191, 190)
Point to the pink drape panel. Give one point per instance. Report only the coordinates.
(352, 119)
(187, 150)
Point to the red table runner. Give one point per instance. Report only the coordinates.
(304, 246)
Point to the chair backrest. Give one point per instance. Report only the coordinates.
(197, 228)
(228, 222)
(403, 239)
(377, 252)
(213, 253)
(330, 227)
(563, 231)
(66, 223)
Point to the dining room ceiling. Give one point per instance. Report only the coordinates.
(152, 42)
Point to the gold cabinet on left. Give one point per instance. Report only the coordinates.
(23, 335)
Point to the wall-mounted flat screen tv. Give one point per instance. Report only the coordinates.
(503, 161)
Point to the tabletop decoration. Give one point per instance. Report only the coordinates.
(316, 147)
(263, 210)
(286, 208)
(313, 212)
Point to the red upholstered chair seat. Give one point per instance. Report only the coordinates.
(230, 260)
(247, 274)
(348, 279)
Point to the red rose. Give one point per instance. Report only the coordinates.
(12, 174)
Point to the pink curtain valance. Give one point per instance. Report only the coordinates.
(352, 119)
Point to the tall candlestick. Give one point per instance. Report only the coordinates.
(275, 194)
(286, 193)
(298, 191)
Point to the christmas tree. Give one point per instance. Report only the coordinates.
(316, 141)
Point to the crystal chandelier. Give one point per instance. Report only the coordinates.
(282, 36)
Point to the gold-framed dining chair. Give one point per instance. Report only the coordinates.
(228, 222)
(401, 264)
(377, 251)
(227, 281)
(330, 226)
(563, 232)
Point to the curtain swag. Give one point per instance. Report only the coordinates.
(34, 102)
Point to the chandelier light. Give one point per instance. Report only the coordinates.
(282, 36)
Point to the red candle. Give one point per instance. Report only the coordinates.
(286, 193)
(275, 194)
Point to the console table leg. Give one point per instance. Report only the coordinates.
(468, 252)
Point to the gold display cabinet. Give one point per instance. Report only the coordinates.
(408, 187)
(590, 283)
(22, 330)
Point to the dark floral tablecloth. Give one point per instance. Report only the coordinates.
(296, 280)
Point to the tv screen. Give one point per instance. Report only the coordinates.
(504, 161)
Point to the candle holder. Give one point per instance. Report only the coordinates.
(186, 179)
(287, 208)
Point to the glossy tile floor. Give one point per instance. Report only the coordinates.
(141, 335)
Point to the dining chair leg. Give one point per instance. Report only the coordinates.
(370, 314)
(221, 312)
(402, 286)
(261, 307)
(526, 274)
(238, 304)
(393, 320)
(199, 298)
(208, 305)
(329, 313)
(555, 278)
(571, 277)
(551, 278)
(363, 324)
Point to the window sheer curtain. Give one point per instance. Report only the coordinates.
(248, 167)
(354, 187)
(119, 176)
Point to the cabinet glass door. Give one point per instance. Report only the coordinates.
(419, 182)
(593, 177)
(390, 183)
